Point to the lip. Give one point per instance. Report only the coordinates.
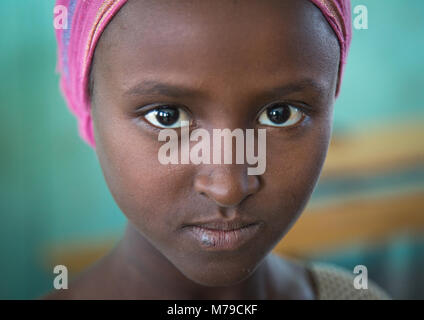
(222, 235)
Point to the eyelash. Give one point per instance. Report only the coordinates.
(301, 106)
(142, 111)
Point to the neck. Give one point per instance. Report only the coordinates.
(143, 272)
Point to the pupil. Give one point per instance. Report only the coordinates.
(167, 116)
(279, 114)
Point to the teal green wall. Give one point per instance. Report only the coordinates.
(51, 187)
(385, 72)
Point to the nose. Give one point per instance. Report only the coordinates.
(227, 185)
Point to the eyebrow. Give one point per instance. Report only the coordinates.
(152, 87)
(302, 85)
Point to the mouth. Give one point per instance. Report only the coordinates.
(222, 235)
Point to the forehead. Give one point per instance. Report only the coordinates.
(219, 41)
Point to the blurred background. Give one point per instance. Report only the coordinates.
(368, 207)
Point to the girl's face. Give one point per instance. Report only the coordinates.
(219, 63)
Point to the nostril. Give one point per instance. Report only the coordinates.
(226, 188)
(231, 204)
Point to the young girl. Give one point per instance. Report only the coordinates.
(130, 69)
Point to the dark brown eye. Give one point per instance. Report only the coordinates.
(280, 115)
(167, 117)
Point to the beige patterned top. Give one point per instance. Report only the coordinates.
(335, 283)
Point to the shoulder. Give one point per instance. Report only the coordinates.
(335, 283)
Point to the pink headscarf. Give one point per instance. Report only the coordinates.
(88, 18)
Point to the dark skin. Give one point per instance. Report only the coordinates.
(231, 56)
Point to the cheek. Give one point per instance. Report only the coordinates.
(144, 189)
(294, 163)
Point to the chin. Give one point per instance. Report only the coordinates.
(220, 271)
(220, 278)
